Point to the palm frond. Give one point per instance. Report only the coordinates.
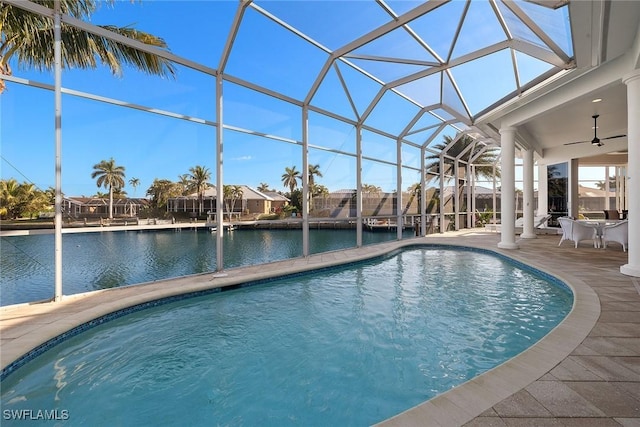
(484, 162)
(29, 38)
(109, 174)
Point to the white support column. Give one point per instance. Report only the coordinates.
(494, 197)
(305, 181)
(423, 194)
(456, 195)
(471, 196)
(399, 201)
(632, 268)
(441, 198)
(508, 193)
(57, 241)
(528, 231)
(358, 185)
(219, 177)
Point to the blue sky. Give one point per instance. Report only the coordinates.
(154, 146)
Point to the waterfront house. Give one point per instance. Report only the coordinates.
(96, 207)
(252, 202)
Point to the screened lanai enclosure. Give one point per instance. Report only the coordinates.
(348, 112)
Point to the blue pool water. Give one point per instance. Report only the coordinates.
(348, 346)
(93, 261)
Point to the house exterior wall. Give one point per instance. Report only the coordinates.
(343, 205)
(258, 206)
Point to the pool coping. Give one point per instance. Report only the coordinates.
(454, 407)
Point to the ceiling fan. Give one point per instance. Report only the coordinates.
(596, 141)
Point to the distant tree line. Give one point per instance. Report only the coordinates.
(19, 200)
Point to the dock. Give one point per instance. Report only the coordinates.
(158, 226)
(380, 225)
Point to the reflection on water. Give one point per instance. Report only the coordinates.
(103, 260)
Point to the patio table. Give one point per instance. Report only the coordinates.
(599, 225)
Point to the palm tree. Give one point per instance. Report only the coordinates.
(556, 182)
(415, 192)
(318, 190)
(109, 176)
(29, 38)
(414, 188)
(9, 196)
(199, 178)
(290, 178)
(612, 184)
(16, 200)
(135, 183)
(484, 163)
(263, 187)
(313, 170)
(29, 199)
(8, 192)
(231, 193)
(50, 194)
(185, 183)
(119, 193)
(38, 201)
(557, 189)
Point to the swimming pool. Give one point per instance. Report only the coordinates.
(350, 345)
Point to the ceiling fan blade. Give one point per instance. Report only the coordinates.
(577, 142)
(596, 141)
(614, 137)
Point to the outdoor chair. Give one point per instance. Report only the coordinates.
(611, 214)
(618, 233)
(577, 232)
(538, 221)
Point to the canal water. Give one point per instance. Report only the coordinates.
(92, 261)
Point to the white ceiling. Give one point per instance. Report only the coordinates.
(573, 121)
(561, 111)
